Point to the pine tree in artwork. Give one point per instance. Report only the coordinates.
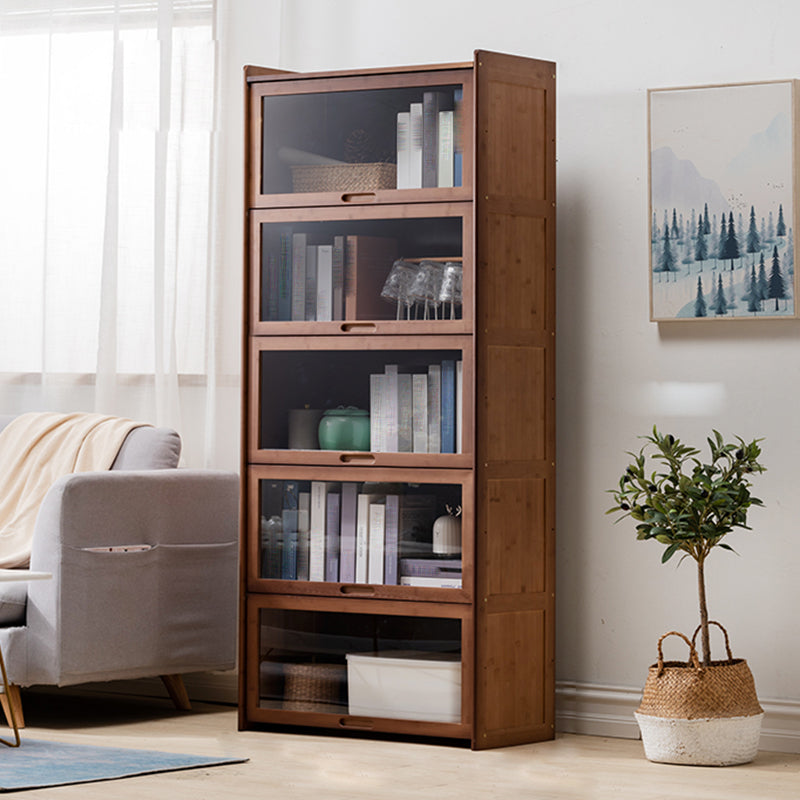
(730, 249)
(700, 309)
(770, 229)
(781, 229)
(676, 231)
(753, 299)
(723, 238)
(654, 231)
(753, 239)
(777, 289)
(667, 261)
(700, 248)
(763, 283)
(706, 223)
(720, 306)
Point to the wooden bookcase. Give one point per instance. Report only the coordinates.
(313, 638)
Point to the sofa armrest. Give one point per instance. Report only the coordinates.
(167, 607)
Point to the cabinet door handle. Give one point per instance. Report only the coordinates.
(358, 197)
(357, 458)
(358, 327)
(359, 589)
(357, 722)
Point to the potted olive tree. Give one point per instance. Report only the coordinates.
(700, 711)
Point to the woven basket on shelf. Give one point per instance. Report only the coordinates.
(314, 687)
(693, 714)
(344, 177)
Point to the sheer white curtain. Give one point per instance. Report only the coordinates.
(110, 286)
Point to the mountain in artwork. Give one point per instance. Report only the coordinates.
(676, 183)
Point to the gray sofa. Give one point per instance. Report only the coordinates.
(162, 611)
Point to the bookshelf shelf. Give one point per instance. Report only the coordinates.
(409, 289)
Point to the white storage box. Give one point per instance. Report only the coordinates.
(405, 685)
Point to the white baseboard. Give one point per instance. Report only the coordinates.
(599, 710)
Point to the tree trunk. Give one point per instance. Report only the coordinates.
(701, 589)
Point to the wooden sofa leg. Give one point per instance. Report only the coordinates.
(12, 699)
(177, 692)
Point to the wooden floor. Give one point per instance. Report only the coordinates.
(314, 767)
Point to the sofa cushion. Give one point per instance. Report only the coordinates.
(149, 448)
(13, 599)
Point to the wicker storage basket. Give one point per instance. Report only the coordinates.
(315, 687)
(693, 714)
(344, 177)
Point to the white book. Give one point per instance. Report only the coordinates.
(441, 583)
(377, 533)
(403, 148)
(459, 403)
(325, 282)
(377, 416)
(404, 413)
(299, 276)
(415, 140)
(311, 283)
(446, 153)
(419, 412)
(303, 534)
(391, 410)
(362, 535)
(316, 531)
(434, 408)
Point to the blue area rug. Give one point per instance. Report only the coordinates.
(37, 764)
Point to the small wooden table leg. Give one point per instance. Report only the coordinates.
(177, 692)
(9, 701)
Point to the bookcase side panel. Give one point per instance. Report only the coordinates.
(515, 400)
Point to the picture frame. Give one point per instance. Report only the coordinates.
(721, 168)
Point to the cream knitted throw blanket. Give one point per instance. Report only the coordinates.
(35, 450)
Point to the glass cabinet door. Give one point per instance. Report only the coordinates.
(356, 136)
(371, 264)
(359, 664)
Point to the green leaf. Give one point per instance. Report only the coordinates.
(669, 552)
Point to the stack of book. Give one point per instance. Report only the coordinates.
(416, 412)
(429, 153)
(342, 531)
(437, 572)
(310, 280)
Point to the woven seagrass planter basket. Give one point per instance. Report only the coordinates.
(703, 715)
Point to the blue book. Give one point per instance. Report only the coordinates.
(458, 156)
(448, 444)
(332, 537)
(289, 560)
(285, 278)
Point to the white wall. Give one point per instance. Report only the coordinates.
(614, 597)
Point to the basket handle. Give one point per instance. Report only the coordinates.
(693, 659)
(724, 633)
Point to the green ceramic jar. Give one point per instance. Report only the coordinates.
(344, 429)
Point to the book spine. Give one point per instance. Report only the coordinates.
(298, 293)
(434, 583)
(362, 537)
(403, 148)
(430, 139)
(268, 309)
(377, 418)
(445, 161)
(325, 282)
(448, 443)
(459, 403)
(316, 531)
(419, 412)
(347, 537)
(303, 508)
(332, 532)
(285, 278)
(434, 408)
(310, 302)
(377, 533)
(404, 413)
(391, 539)
(415, 146)
(337, 277)
(390, 410)
(431, 567)
(289, 560)
(458, 134)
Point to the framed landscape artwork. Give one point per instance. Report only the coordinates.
(722, 202)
